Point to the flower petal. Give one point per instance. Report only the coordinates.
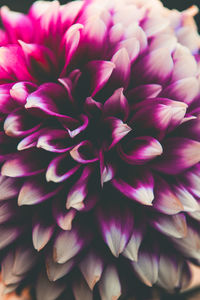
(56, 271)
(139, 150)
(91, 267)
(110, 286)
(178, 155)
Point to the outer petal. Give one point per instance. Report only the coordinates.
(109, 286)
(92, 267)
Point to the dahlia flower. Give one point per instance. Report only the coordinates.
(100, 148)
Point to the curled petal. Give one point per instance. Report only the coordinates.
(140, 150)
(22, 165)
(78, 192)
(179, 154)
(7, 211)
(54, 140)
(84, 153)
(71, 41)
(115, 130)
(19, 124)
(95, 76)
(20, 91)
(61, 168)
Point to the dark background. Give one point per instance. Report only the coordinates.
(23, 5)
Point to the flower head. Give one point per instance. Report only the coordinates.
(99, 147)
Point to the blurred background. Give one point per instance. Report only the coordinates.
(23, 5)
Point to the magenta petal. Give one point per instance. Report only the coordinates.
(139, 150)
(159, 114)
(54, 140)
(13, 65)
(121, 72)
(156, 67)
(99, 72)
(84, 153)
(7, 104)
(143, 92)
(17, 25)
(40, 60)
(116, 224)
(115, 130)
(71, 41)
(21, 90)
(18, 124)
(61, 168)
(184, 90)
(92, 107)
(138, 188)
(78, 192)
(117, 106)
(178, 155)
(36, 190)
(22, 165)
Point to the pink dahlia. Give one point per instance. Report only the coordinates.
(100, 148)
